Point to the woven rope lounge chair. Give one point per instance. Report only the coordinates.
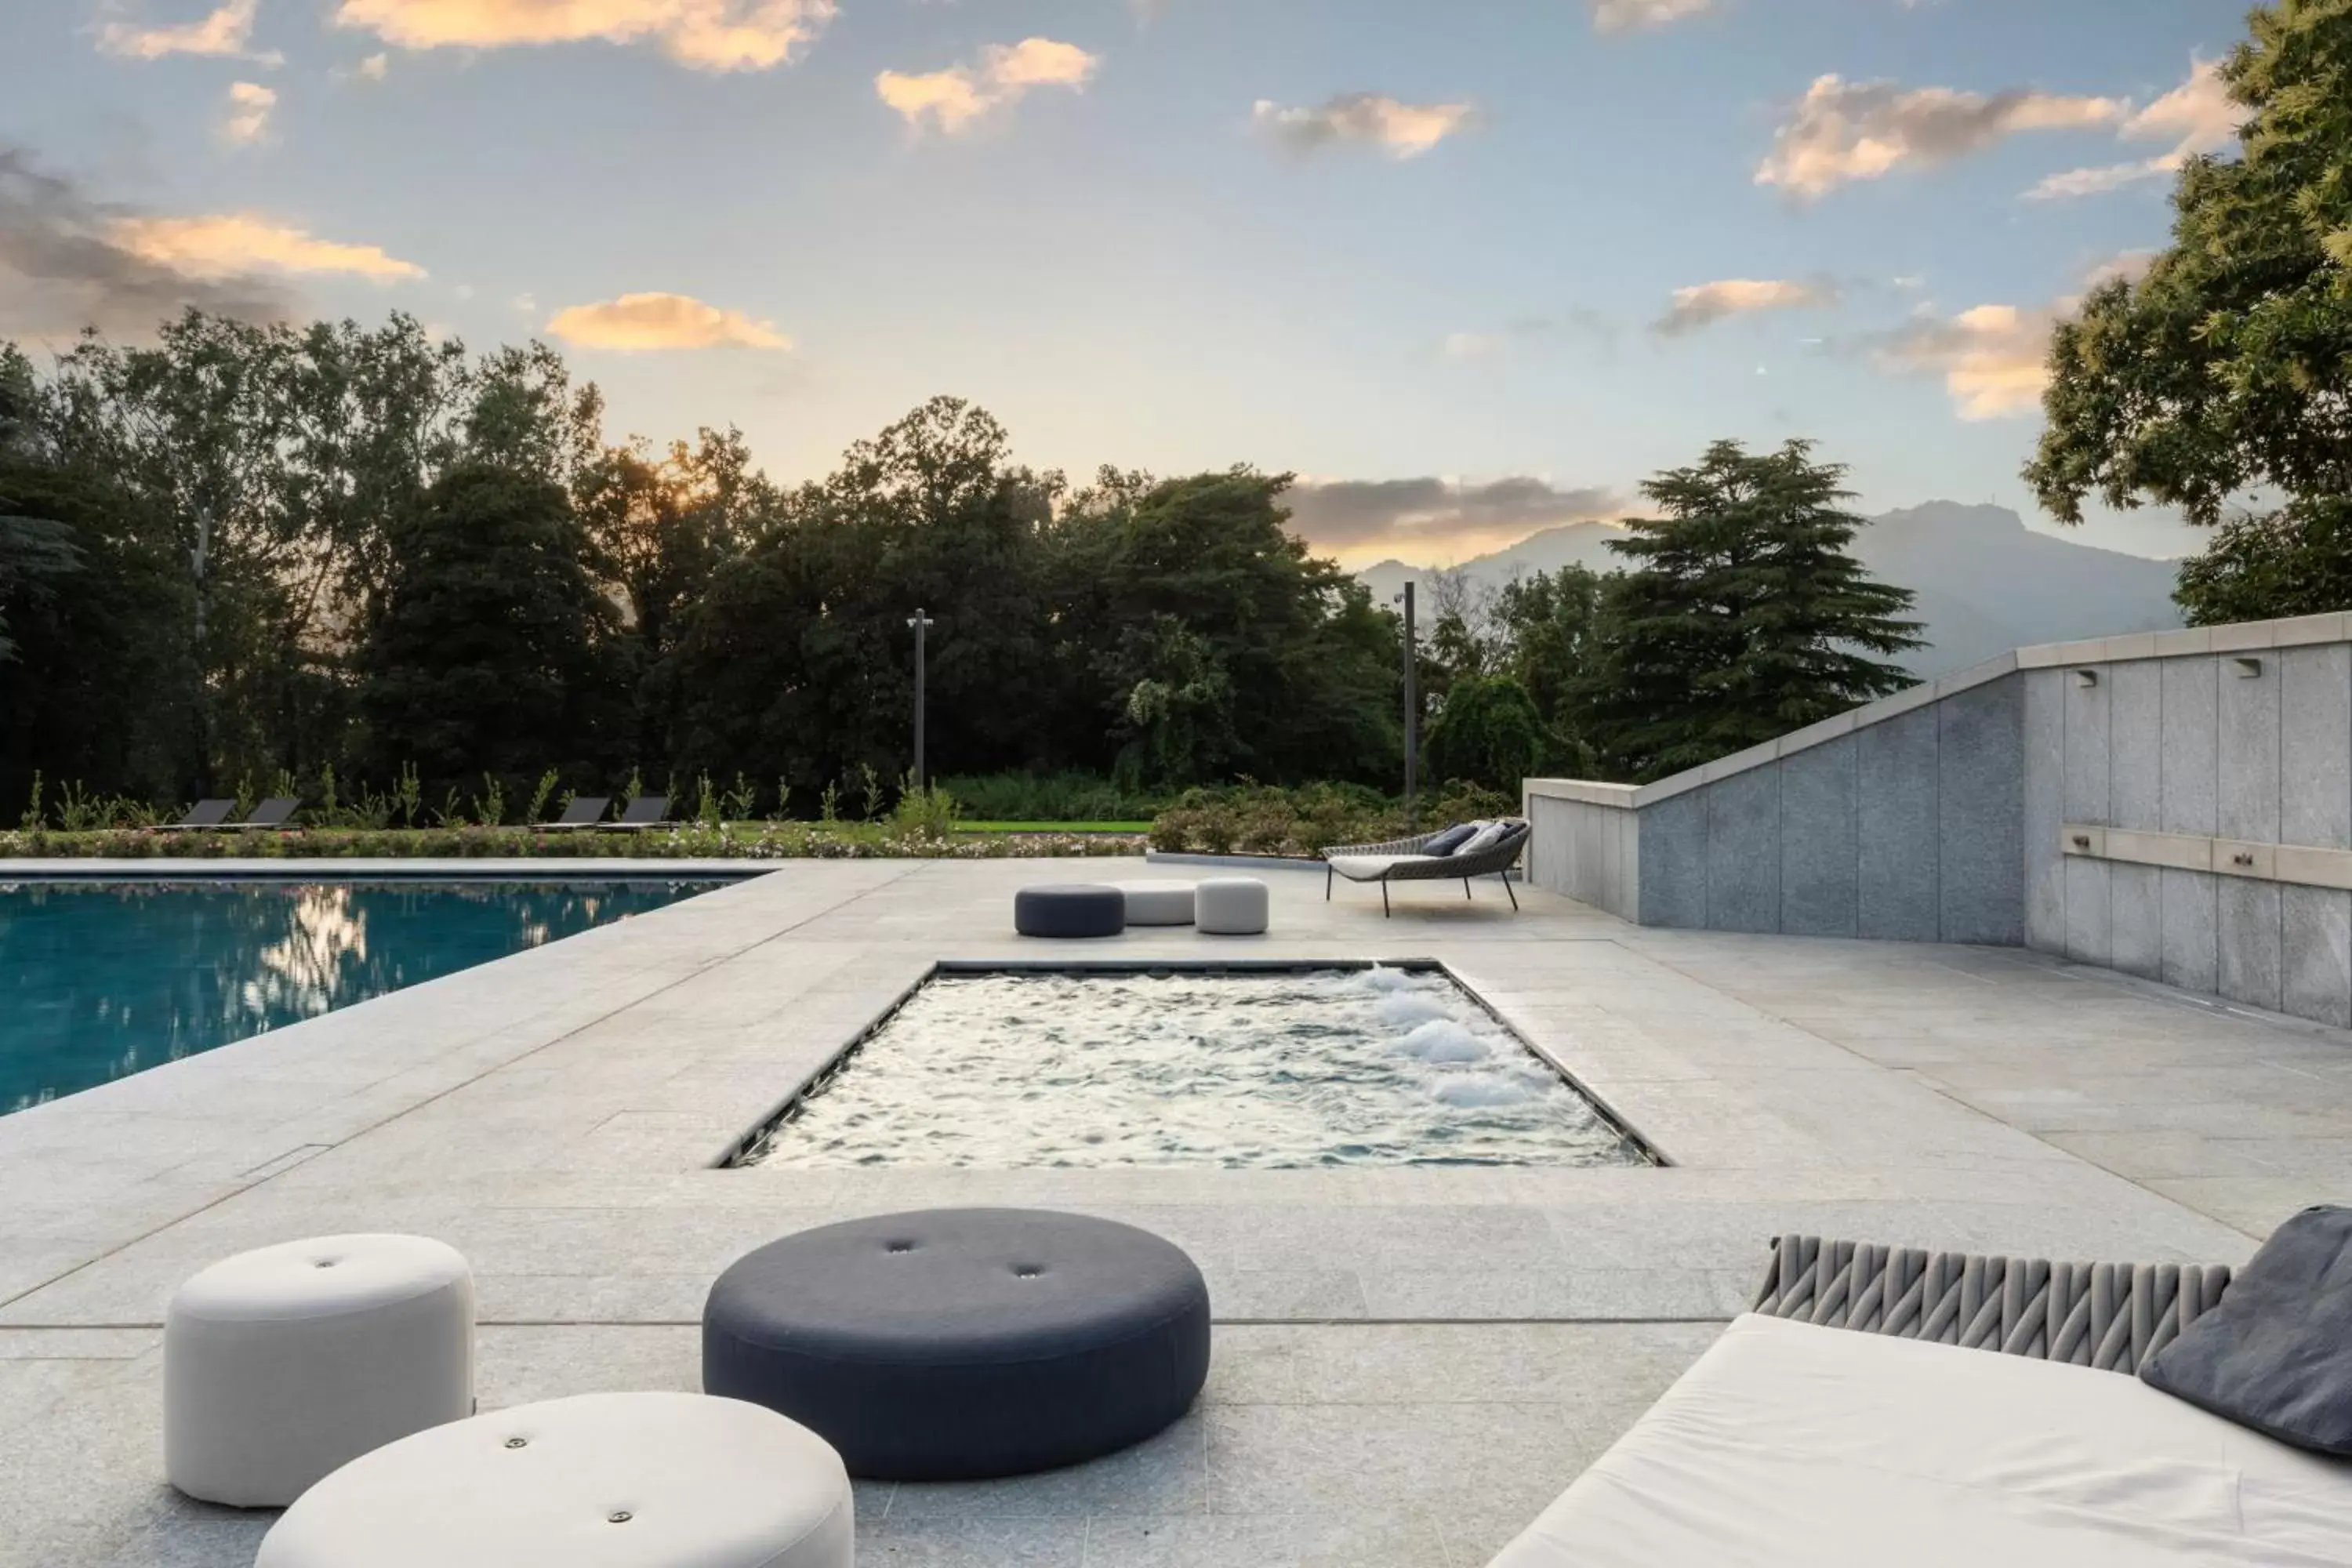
(1811, 1433)
(203, 814)
(1402, 860)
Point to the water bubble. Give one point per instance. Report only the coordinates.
(1444, 1040)
(1381, 977)
(1401, 1011)
(1472, 1089)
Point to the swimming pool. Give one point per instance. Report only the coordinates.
(1260, 1069)
(108, 979)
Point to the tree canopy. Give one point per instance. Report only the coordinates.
(2225, 371)
(1741, 616)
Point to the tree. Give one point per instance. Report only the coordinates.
(495, 651)
(1742, 617)
(2296, 561)
(1551, 626)
(2227, 366)
(1488, 733)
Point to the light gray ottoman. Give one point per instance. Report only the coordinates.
(1230, 906)
(281, 1364)
(600, 1480)
(1156, 903)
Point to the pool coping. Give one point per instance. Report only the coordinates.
(729, 1155)
(360, 869)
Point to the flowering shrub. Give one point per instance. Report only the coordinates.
(686, 841)
(1260, 819)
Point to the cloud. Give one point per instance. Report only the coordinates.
(218, 248)
(1704, 304)
(1357, 514)
(221, 32)
(249, 107)
(958, 97)
(1403, 129)
(706, 34)
(1841, 131)
(1994, 359)
(64, 266)
(374, 67)
(2199, 116)
(1630, 15)
(650, 322)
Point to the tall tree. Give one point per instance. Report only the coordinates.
(2296, 561)
(2227, 368)
(1488, 733)
(495, 651)
(1551, 624)
(1742, 616)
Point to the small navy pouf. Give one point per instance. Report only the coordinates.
(956, 1344)
(1074, 909)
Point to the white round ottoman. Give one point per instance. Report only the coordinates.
(1156, 903)
(602, 1480)
(281, 1364)
(1230, 906)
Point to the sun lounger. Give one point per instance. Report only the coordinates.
(1855, 1416)
(644, 811)
(585, 811)
(276, 811)
(203, 814)
(1402, 860)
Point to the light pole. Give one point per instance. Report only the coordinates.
(1412, 708)
(921, 623)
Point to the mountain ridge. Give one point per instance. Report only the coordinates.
(1984, 582)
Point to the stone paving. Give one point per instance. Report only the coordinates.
(1409, 1362)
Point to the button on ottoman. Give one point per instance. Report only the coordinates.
(1231, 906)
(956, 1344)
(1158, 903)
(1076, 910)
(281, 1364)
(602, 1480)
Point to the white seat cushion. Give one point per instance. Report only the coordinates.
(602, 1480)
(1158, 903)
(283, 1363)
(1230, 906)
(1793, 1445)
(1370, 868)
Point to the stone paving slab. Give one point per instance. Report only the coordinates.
(1409, 1361)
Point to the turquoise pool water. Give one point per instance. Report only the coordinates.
(106, 980)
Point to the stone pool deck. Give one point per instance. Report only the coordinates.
(1409, 1362)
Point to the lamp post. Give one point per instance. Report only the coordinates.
(921, 623)
(1412, 708)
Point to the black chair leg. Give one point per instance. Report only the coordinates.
(1507, 888)
(1466, 887)
(1384, 897)
(1326, 884)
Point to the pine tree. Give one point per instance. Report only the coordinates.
(1741, 616)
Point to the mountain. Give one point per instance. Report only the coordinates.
(1986, 583)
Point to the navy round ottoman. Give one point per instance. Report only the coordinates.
(1076, 910)
(956, 1344)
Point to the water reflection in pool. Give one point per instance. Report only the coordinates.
(105, 980)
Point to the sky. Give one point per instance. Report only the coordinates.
(1468, 268)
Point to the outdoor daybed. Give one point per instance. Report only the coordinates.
(1410, 860)
(1795, 1441)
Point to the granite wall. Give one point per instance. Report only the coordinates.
(2174, 805)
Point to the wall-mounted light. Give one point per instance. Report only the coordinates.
(2086, 677)
(2248, 668)
(2082, 841)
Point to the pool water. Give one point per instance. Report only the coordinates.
(106, 980)
(1267, 1070)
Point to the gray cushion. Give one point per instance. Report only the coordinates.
(2276, 1354)
(1452, 839)
(1071, 910)
(962, 1343)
